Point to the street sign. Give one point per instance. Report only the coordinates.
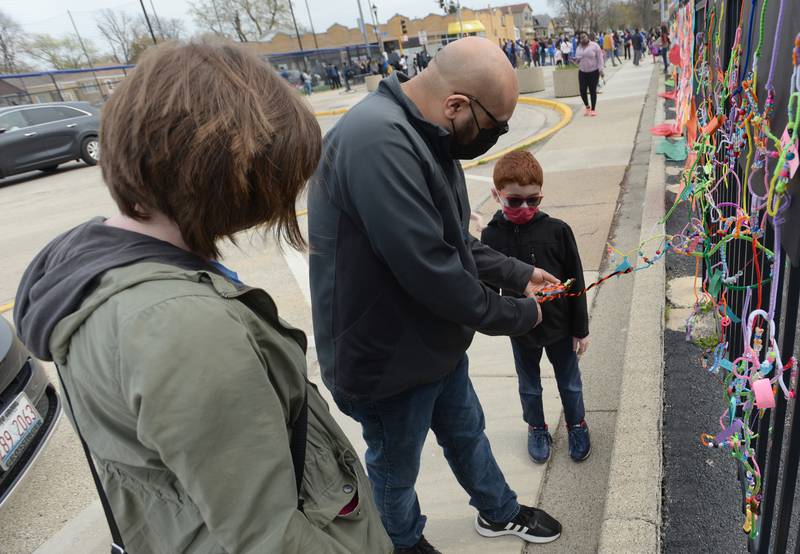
(405, 38)
(423, 37)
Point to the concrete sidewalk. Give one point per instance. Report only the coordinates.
(584, 164)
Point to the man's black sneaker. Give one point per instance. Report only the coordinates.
(531, 525)
(422, 547)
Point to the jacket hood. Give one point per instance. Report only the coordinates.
(68, 269)
(500, 220)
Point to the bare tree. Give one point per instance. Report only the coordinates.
(170, 28)
(120, 30)
(58, 53)
(582, 14)
(242, 20)
(11, 41)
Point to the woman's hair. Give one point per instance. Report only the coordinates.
(213, 138)
(518, 167)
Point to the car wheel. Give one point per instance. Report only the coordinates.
(49, 169)
(90, 150)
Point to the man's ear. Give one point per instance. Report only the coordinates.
(454, 104)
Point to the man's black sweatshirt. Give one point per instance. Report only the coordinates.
(548, 243)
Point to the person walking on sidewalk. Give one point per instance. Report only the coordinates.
(638, 47)
(608, 48)
(663, 45)
(189, 390)
(617, 46)
(397, 284)
(522, 230)
(566, 51)
(590, 69)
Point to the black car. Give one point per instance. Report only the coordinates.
(29, 410)
(42, 136)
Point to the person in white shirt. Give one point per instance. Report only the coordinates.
(566, 50)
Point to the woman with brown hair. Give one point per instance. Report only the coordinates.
(188, 389)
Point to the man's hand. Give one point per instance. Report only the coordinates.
(539, 280)
(580, 346)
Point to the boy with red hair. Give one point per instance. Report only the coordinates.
(520, 229)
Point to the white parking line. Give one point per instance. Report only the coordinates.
(299, 267)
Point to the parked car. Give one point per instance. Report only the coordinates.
(42, 136)
(29, 410)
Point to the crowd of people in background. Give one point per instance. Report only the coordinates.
(561, 50)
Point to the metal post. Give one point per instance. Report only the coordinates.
(297, 32)
(216, 15)
(55, 83)
(85, 53)
(793, 455)
(774, 462)
(158, 21)
(363, 26)
(147, 20)
(311, 22)
(661, 12)
(460, 21)
(376, 26)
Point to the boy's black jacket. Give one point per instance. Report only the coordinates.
(548, 243)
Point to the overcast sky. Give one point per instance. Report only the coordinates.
(50, 16)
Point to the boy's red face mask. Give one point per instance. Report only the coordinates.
(519, 209)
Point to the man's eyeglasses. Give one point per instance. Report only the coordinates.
(518, 201)
(500, 126)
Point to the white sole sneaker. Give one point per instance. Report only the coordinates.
(515, 530)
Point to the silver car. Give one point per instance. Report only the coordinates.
(29, 410)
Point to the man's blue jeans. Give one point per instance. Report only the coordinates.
(568, 379)
(395, 430)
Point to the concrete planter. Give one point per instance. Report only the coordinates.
(531, 79)
(373, 81)
(565, 83)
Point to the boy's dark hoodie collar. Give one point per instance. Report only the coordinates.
(500, 220)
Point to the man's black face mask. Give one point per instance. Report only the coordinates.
(483, 142)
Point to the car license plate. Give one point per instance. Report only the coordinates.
(18, 424)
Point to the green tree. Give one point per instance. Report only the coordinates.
(58, 52)
(242, 20)
(11, 42)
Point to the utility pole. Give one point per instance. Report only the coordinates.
(147, 20)
(311, 22)
(375, 26)
(216, 15)
(297, 32)
(85, 53)
(661, 11)
(158, 21)
(363, 26)
(461, 22)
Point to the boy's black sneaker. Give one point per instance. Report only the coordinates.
(531, 525)
(422, 547)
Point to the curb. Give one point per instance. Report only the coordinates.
(566, 117)
(6, 307)
(632, 517)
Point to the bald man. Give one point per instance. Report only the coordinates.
(398, 284)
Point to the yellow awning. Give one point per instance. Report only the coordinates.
(471, 26)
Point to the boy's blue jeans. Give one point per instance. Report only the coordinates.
(395, 430)
(568, 379)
